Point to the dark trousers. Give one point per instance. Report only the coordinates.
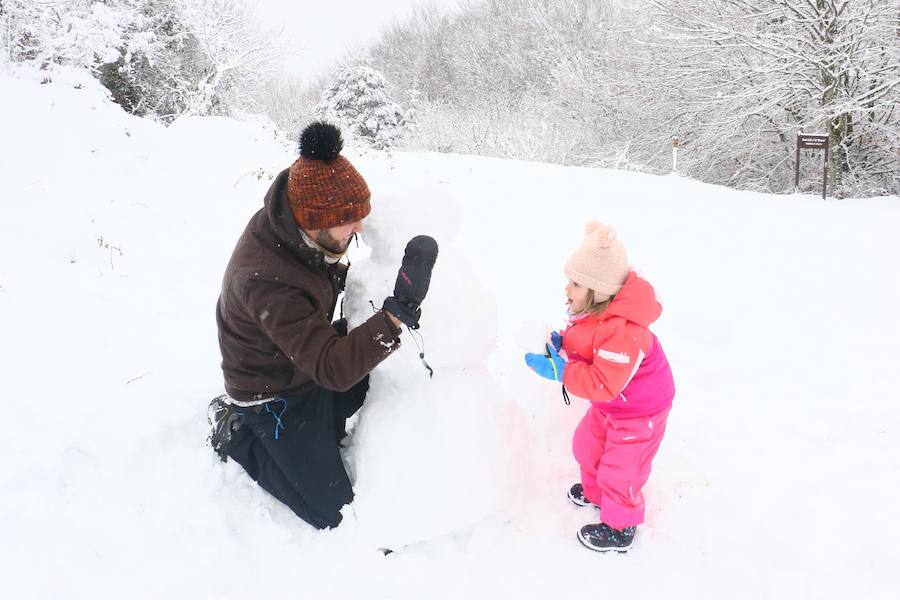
(291, 447)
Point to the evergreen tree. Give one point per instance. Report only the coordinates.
(357, 100)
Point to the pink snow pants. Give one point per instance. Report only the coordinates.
(615, 456)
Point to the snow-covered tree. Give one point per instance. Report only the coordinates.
(237, 56)
(289, 101)
(155, 73)
(78, 33)
(516, 78)
(749, 74)
(138, 49)
(610, 83)
(357, 100)
(160, 58)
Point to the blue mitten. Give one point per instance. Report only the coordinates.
(556, 339)
(550, 365)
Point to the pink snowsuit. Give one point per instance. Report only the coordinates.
(618, 364)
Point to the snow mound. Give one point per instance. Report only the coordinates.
(780, 322)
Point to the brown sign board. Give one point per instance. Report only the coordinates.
(812, 140)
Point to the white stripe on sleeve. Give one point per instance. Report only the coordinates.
(621, 358)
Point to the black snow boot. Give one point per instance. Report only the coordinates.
(576, 495)
(603, 538)
(224, 418)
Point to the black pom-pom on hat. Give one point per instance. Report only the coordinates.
(321, 141)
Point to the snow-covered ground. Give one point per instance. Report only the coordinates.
(778, 478)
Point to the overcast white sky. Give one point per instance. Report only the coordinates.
(323, 30)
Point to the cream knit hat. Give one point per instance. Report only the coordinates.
(600, 263)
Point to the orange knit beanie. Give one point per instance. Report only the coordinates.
(324, 190)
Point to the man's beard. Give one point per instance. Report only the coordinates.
(325, 240)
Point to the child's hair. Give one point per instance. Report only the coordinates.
(592, 307)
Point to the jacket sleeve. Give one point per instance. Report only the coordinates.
(616, 357)
(300, 328)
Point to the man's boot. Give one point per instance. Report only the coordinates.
(224, 419)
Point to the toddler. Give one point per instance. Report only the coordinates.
(608, 355)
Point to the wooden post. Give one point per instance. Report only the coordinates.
(675, 144)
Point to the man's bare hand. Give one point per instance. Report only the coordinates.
(394, 320)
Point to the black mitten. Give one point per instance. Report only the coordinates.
(407, 312)
(413, 280)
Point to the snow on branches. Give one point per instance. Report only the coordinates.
(159, 58)
(357, 100)
(755, 72)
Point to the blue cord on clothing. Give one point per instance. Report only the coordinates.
(278, 424)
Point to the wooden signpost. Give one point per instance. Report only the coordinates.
(811, 141)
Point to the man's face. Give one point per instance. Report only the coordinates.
(336, 239)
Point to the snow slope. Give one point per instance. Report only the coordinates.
(778, 477)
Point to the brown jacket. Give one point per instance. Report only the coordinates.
(275, 310)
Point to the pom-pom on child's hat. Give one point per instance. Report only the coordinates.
(324, 190)
(600, 263)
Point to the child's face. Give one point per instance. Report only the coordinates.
(576, 296)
